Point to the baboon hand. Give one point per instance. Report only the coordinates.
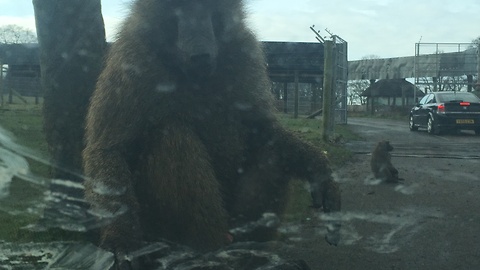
(125, 262)
(121, 262)
(333, 233)
(326, 196)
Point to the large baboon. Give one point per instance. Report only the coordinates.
(381, 163)
(181, 138)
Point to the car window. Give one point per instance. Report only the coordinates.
(429, 98)
(424, 100)
(458, 96)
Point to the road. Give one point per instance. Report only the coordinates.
(452, 145)
(431, 221)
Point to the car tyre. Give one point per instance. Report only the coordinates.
(412, 125)
(431, 129)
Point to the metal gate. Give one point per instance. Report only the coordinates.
(340, 78)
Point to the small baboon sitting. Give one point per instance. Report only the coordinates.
(381, 163)
(182, 140)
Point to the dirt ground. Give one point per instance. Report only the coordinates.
(431, 221)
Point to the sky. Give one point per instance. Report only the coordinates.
(384, 28)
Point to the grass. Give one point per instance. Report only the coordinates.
(400, 114)
(311, 130)
(24, 122)
(25, 125)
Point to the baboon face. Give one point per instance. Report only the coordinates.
(201, 27)
(386, 146)
(389, 146)
(196, 40)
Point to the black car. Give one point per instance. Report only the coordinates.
(441, 111)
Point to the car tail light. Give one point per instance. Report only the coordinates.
(464, 103)
(441, 108)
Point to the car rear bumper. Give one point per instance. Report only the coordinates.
(458, 121)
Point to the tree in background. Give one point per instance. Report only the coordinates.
(476, 41)
(15, 34)
(71, 35)
(355, 89)
(370, 57)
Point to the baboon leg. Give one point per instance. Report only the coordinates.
(184, 190)
(261, 189)
(389, 174)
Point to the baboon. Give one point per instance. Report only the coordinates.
(182, 140)
(381, 163)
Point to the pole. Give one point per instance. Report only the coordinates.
(1, 83)
(327, 91)
(477, 86)
(295, 113)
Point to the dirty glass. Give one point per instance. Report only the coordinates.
(229, 134)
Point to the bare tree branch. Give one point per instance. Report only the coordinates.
(15, 34)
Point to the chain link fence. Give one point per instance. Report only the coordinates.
(446, 66)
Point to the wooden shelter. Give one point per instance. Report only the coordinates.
(23, 72)
(391, 93)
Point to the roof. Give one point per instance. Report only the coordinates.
(20, 54)
(301, 56)
(281, 56)
(428, 65)
(391, 88)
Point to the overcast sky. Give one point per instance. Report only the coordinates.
(386, 28)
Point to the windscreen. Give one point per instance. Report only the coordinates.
(455, 96)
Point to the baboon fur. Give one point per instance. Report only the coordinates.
(182, 141)
(381, 163)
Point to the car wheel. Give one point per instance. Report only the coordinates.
(431, 129)
(412, 125)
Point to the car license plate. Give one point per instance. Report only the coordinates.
(465, 121)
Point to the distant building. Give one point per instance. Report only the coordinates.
(295, 68)
(388, 94)
(288, 62)
(23, 69)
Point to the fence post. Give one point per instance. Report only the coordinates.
(295, 113)
(327, 91)
(477, 86)
(1, 83)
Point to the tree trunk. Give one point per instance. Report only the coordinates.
(71, 35)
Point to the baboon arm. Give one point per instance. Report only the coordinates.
(301, 160)
(110, 192)
(308, 162)
(112, 124)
